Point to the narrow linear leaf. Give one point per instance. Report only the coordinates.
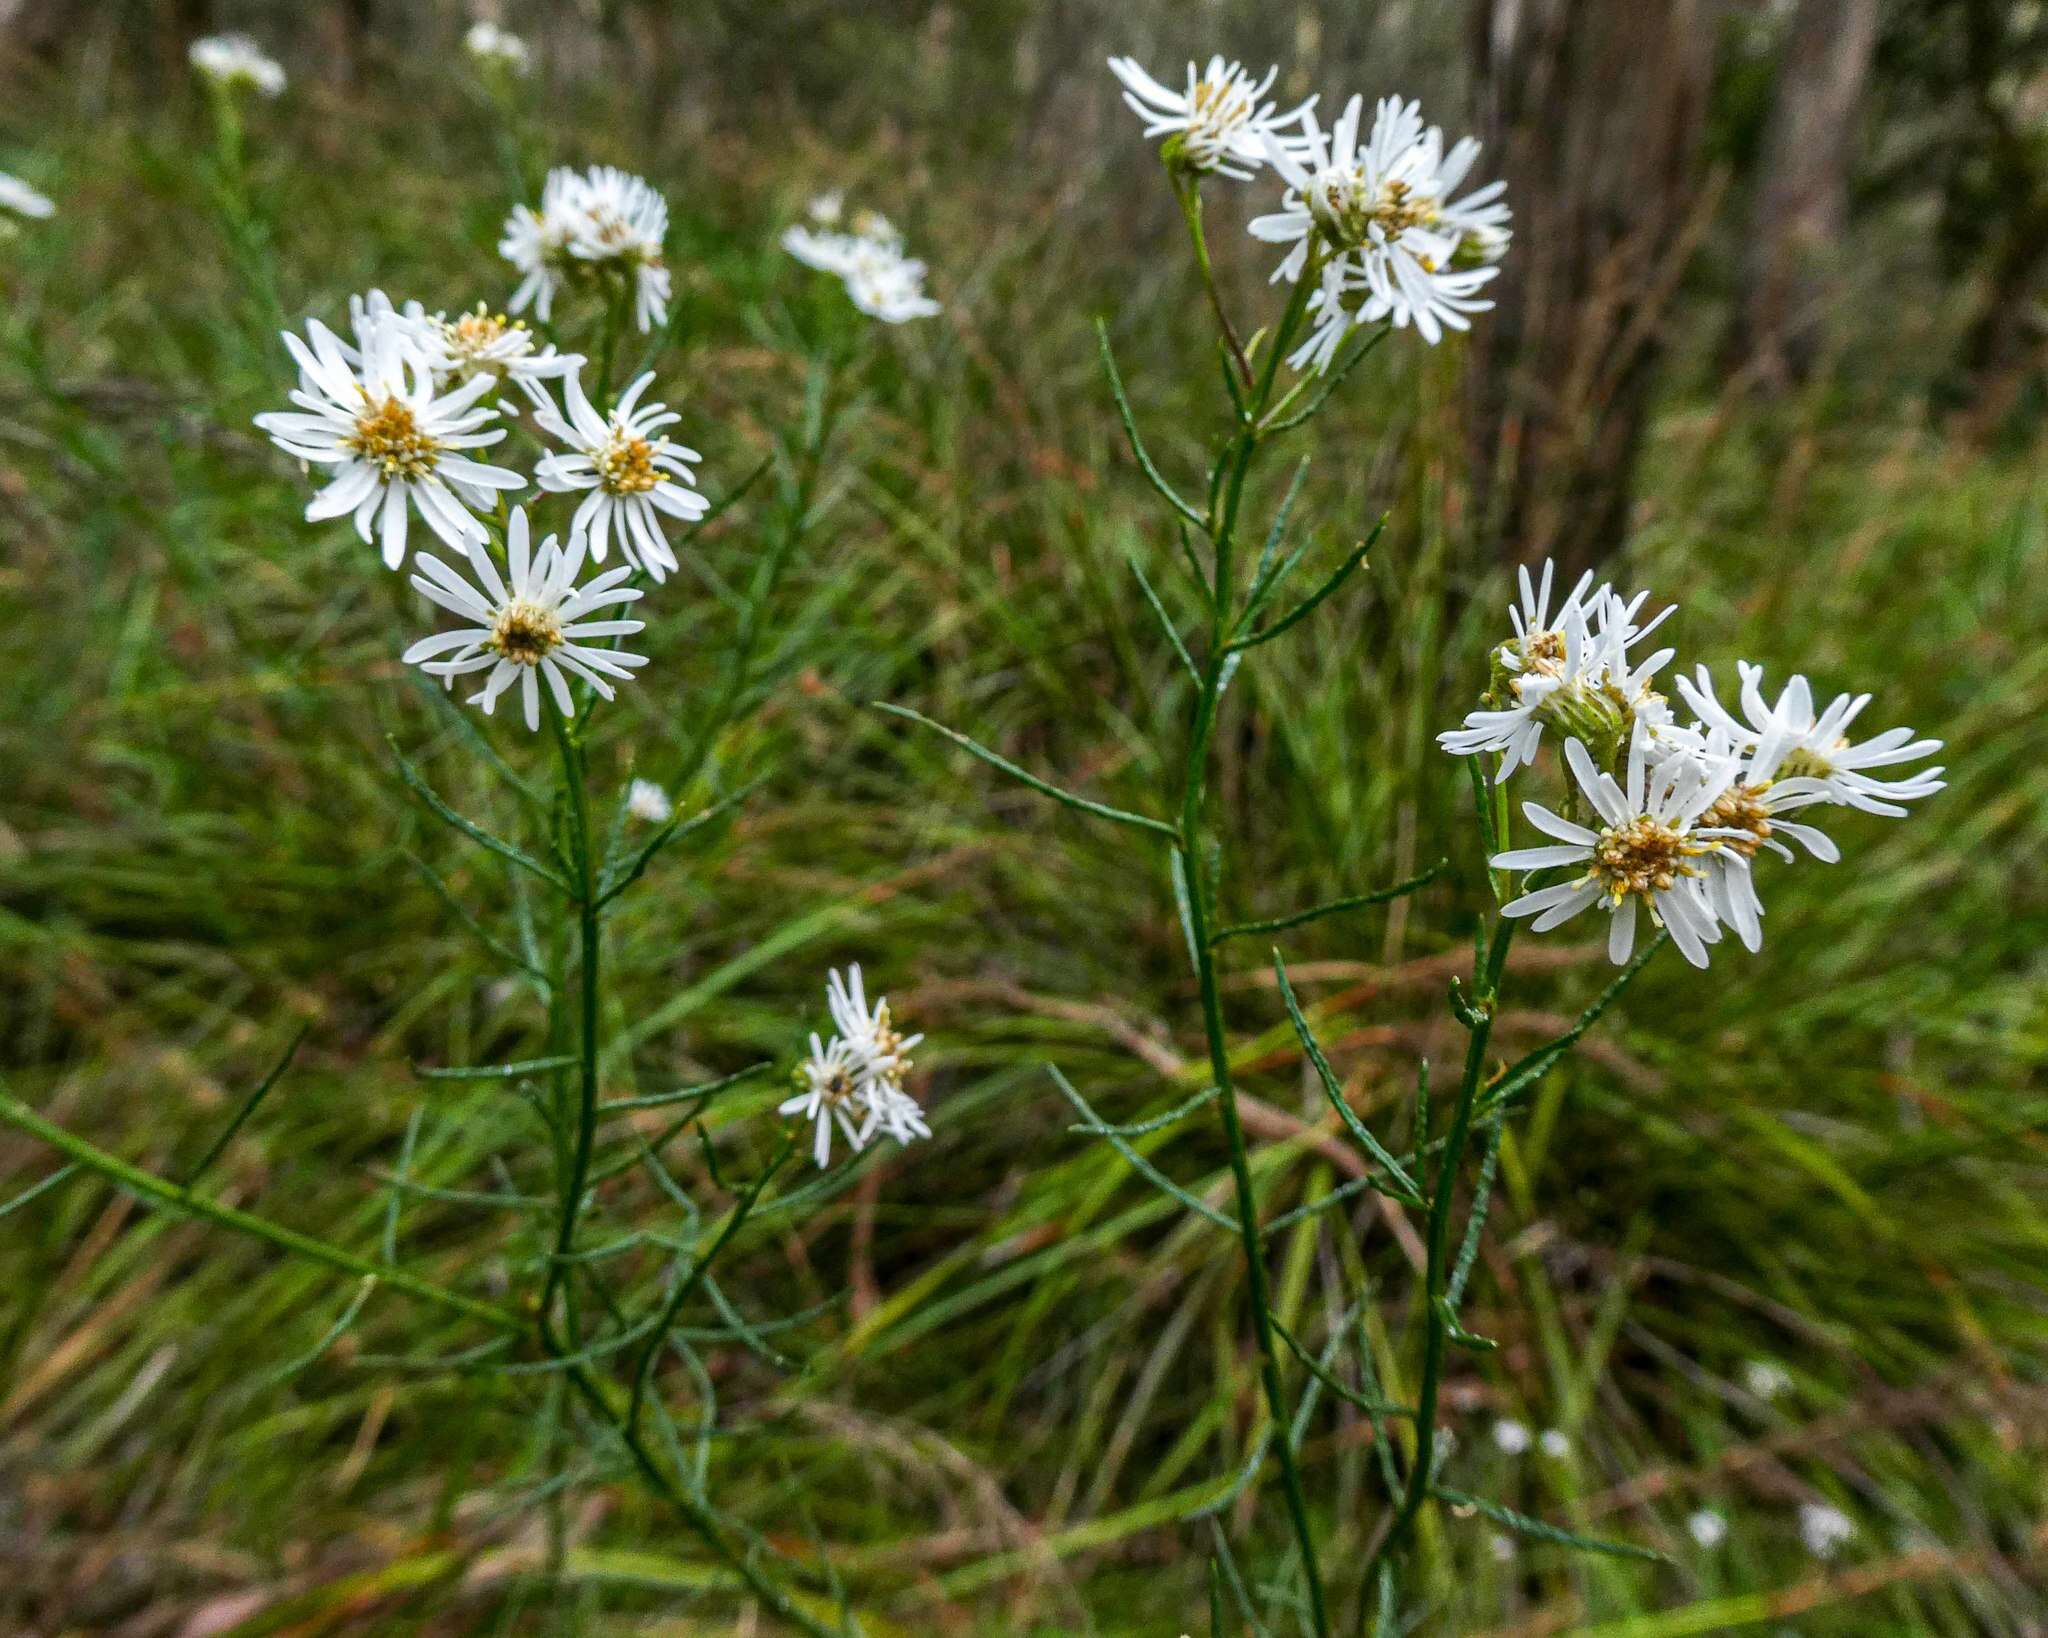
(1145, 1169)
(1264, 579)
(1336, 907)
(1157, 1123)
(655, 1100)
(248, 1108)
(1482, 1202)
(1525, 1072)
(1321, 1372)
(675, 830)
(498, 947)
(1080, 804)
(475, 832)
(1123, 409)
(1166, 623)
(38, 1189)
(1406, 1192)
(1309, 604)
(1523, 1525)
(1331, 382)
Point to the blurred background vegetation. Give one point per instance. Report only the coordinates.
(1770, 341)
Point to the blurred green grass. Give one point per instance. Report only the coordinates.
(1830, 1156)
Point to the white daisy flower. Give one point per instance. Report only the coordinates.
(17, 198)
(882, 1049)
(648, 802)
(1788, 741)
(1385, 208)
(531, 622)
(235, 62)
(1646, 850)
(830, 1090)
(1766, 1379)
(1555, 1443)
(633, 473)
(394, 442)
(1510, 1437)
(1218, 123)
(481, 342)
(1825, 1530)
(599, 219)
(494, 47)
(1708, 1528)
(881, 281)
(1554, 670)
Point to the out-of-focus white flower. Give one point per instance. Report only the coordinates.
(1556, 1444)
(648, 802)
(1502, 1546)
(1510, 1437)
(856, 1082)
(880, 279)
(1646, 851)
(17, 198)
(1766, 1379)
(1571, 670)
(531, 622)
(1825, 1530)
(1708, 1528)
(481, 342)
(1791, 745)
(1218, 122)
(374, 415)
(599, 220)
(234, 62)
(634, 474)
(494, 47)
(1384, 208)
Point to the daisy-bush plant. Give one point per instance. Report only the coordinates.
(539, 511)
(1633, 811)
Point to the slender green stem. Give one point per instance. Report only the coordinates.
(585, 886)
(1187, 187)
(1436, 1317)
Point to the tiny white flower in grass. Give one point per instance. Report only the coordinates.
(1788, 742)
(1645, 851)
(648, 802)
(18, 199)
(495, 47)
(1385, 206)
(1825, 1530)
(532, 622)
(1556, 1444)
(1708, 1528)
(1501, 1546)
(880, 280)
(1217, 122)
(635, 476)
(235, 62)
(856, 1082)
(1766, 1379)
(599, 220)
(1511, 1438)
(1569, 669)
(394, 441)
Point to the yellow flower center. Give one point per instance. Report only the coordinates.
(1644, 856)
(1740, 807)
(389, 436)
(626, 465)
(1805, 763)
(524, 632)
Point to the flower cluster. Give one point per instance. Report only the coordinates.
(234, 62)
(855, 1081)
(1374, 220)
(1674, 813)
(866, 256)
(592, 225)
(397, 415)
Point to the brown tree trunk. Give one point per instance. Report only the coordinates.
(1593, 110)
(1803, 187)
